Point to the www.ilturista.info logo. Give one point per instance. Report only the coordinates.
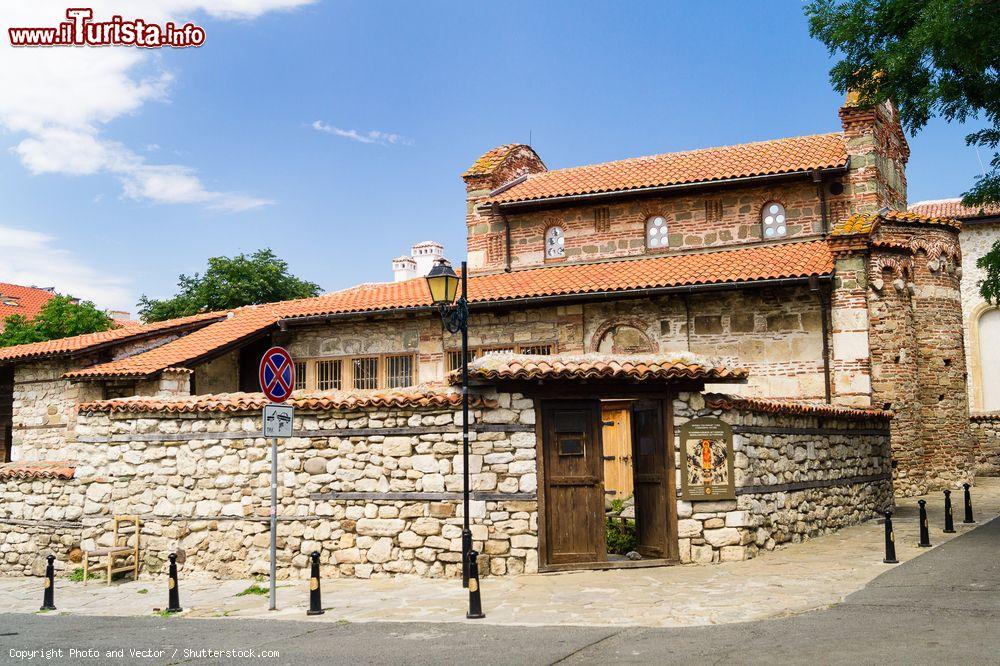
(81, 30)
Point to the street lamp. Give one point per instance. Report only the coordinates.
(443, 284)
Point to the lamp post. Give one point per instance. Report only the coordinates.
(443, 284)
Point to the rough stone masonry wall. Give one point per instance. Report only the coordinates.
(39, 516)
(798, 475)
(986, 434)
(375, 491)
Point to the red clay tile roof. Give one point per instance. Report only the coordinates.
(783, 406)
(764, 262)
(985, 416)
(26, 301)
(863, 225)
(781, 156)
(953, 208)
(239, 324)
(429, 395)
(638, 367)
(37, 469)
(490, 160)
(79, 343)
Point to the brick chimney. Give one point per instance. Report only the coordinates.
(486, 230)
(879, 152)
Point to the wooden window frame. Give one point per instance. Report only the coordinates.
(347, 369)
(478, 352)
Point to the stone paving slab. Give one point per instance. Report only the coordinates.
(814, 574)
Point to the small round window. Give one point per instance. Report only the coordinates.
(772, 219)
(555, 242)
(656, 232)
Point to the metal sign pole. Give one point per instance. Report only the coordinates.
(274, 523)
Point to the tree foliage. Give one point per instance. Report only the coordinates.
(61, 317)
(230, 282)
(930, 58)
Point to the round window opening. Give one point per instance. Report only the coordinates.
(772, 219)
(555, 243)
(656, 232)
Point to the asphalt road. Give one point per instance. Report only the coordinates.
(940, 608)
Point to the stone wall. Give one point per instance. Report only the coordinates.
(799, 473)
(977, 238)
(985, 428)
(375, 491)
(38, 517)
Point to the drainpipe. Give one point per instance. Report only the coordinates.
(506, 231)
(824, 302)
(817, 176)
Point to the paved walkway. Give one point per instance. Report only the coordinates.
(801, 577)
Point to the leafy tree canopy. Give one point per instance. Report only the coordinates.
(930, 58)
(230, 282)
(61, 317)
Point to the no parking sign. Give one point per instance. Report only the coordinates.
(277, 374)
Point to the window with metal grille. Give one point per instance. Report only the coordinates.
(602, 219)
(329, 375)
(300, 375)
(537, 350)
(365, 372)
(398, 371)
(497, 350)
(455, 359)
(713, 210)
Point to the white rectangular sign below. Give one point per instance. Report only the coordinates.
(278, 420)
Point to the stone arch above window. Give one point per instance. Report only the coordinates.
(773, 220)
(656, 232)
(555, 242)
(622, 337)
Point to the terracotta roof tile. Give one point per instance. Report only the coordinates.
(429, 395)
(639, 367)
(783, 406)
(18, 300)
(781, 156)
(37, 469)
(865, 224)
(79, 343)
(985, 416)
(953, 208)
(490, 160)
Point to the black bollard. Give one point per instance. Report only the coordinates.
(968, 504)
(949, 520)
(315, 603)
(174, 600)
(890, 541)
(925, 537)
(475, 601)
(49, 596)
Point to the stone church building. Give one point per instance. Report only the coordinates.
(781, 285)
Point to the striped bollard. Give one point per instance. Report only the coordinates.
(949, 520)
(174, 595)
(49, 595)
(925, 537)
(315, 602)
(890, 541)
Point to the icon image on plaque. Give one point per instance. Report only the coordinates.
(707, 455)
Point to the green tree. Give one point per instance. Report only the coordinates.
(230, 282)
(930, 58)
(61, 317)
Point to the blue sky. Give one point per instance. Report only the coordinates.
(428, 85)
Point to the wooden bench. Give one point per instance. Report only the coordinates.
(126, 530)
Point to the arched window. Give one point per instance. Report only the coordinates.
(989, 359)
(772, 220)
(554, 243)
(656, 232)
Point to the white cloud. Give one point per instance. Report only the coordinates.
(33, 258)
(61, 98)
(371, 136)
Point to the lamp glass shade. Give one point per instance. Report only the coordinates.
(443, 284)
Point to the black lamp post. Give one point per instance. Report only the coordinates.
(443, 284)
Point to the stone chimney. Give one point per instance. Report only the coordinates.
(878, 152)
(426, 254)
(404, 268)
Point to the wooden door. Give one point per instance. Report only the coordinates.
(616, 441)
(649, 456)
(574, 502)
